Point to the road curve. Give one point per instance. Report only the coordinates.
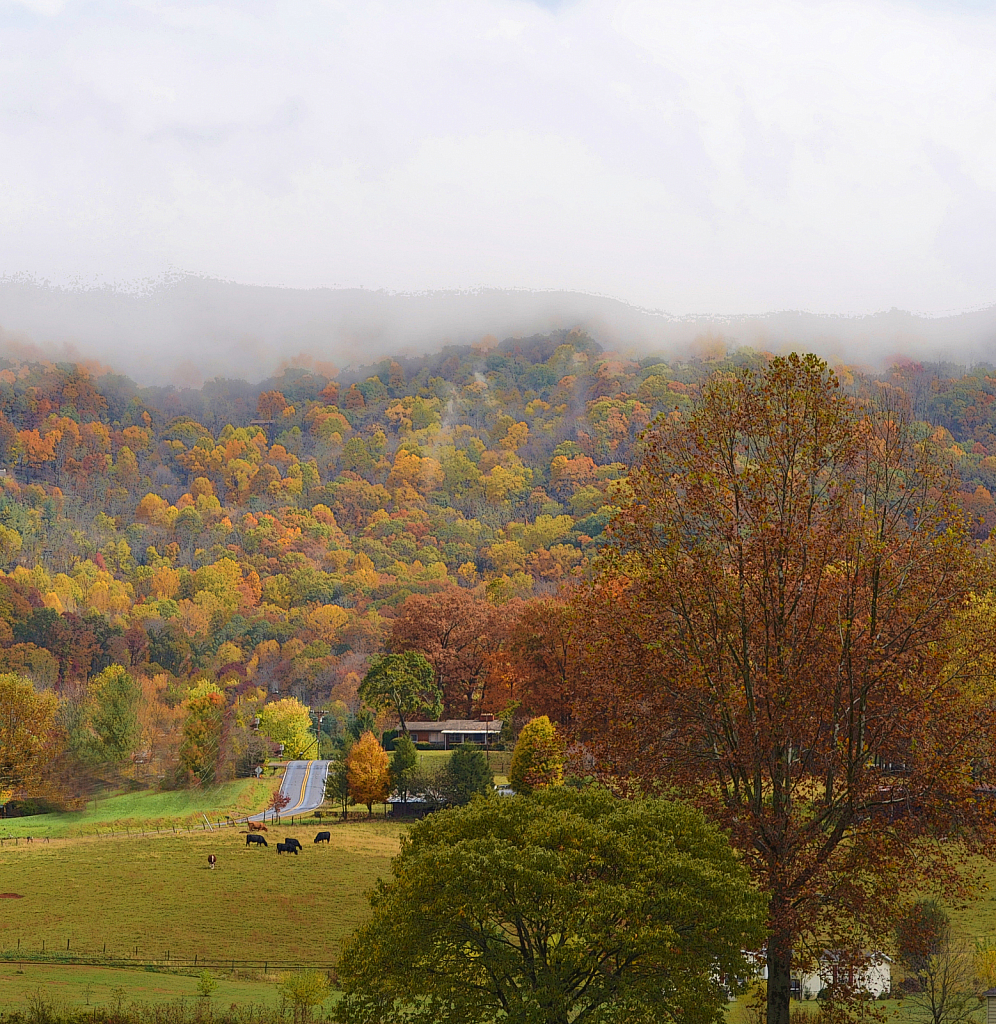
(304, 784)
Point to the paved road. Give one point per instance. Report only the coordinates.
(304, 783)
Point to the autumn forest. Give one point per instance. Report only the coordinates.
(239, 543)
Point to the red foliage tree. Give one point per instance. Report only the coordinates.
(530, 659)
(455, 631)
(771, 628)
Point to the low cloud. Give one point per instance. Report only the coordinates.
(698, 157)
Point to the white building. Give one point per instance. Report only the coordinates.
(872, 974)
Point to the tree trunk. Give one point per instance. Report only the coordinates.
(779, 976)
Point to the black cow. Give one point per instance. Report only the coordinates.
(294, 843)
(323, 837)
(287, 848)
(252, 840)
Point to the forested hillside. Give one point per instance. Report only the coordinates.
(240, 543)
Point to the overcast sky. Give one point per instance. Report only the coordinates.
(695, 157)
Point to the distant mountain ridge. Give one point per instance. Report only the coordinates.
(187, 328)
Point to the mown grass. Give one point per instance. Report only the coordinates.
(433, 760)
(975, 918)
(72, 987)
(892, 1009)
(149, 809)
(157, 894)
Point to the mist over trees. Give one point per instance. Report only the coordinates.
(272, 539)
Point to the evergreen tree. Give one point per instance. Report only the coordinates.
(467, 774)
(404, 763)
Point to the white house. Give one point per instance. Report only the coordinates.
(872, 974)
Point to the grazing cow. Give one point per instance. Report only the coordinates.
(212, 860)
(323, 837)
(252, 840)
(287, 848)
(257, 826)
(294, 843)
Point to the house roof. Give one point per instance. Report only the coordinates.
(455, 725)
(868, 954)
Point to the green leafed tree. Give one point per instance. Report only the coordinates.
(113, 715)
(538, 758)
(305, 990)
(403, 766)
(288, 722)
(467, 774)
(404, 683)
(566, 906)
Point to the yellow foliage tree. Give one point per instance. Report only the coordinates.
(367, 771)
(327, 621)
(288, 722)
(538, 758)
(27, 734)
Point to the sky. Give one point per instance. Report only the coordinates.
(699, 157)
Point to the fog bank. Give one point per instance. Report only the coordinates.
(188, 329)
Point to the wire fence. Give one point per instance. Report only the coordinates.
(162, 961)
(173, 828)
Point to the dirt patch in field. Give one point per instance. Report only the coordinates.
(11, 896)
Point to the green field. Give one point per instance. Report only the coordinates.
(500, 760)
(157, 896)
(78, 986)
(149, 809)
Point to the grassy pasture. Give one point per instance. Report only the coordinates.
(157, 894)
(148, 808)
(77, 986)
(500, 760)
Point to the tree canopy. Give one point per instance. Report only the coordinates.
(367, 771)
(467, 774)
(287, 721)
(567, 906)
(771, 629)
(538, 757)
(28, 732)
(404, 683)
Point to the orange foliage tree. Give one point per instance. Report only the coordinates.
(453, 629)
(367, 771)
(530, 670)
(770, 629)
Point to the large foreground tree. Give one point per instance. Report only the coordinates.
(773, 627)
(562, 907)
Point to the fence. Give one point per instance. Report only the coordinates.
(164, 962)
(164, 830)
